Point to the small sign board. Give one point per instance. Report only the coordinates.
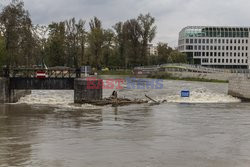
(185, 93)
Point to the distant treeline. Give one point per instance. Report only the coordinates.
(68, 43)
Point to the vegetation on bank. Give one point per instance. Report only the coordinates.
(120, 72)
(169, 76)
(75, 43)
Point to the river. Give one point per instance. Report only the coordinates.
(208, 129)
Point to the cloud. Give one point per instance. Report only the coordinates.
(171, 15)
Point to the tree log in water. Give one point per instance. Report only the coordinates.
(115, 102)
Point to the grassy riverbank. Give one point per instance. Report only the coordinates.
(118, 72)
(169, 76)
(163, 75)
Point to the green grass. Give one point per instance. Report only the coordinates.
(168, 76)
(120, 72)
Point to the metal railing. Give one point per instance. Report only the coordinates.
(32, 73)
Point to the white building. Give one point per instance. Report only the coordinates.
(152, 50)
(225, 47)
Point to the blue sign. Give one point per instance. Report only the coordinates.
(185, 93)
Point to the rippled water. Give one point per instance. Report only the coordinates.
(208, 129)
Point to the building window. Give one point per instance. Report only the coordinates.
(238, 54)
(227, 41)
(191, 41)
(215, 53)
(242, 54)
(226, 47)
(211, 40)
(223, 60)
(238, 60)
(203, 53)
(223, 47)
(234, 60)
(242, 61)
(203, 41)
(199, 40)
(215, 47)
(187, 40)
(211, 47)
(207, 41)
(246, 54)
(239, 41)
(231, 61)
(243, 40)
(231, 41)
(226, 60)
(223, 54)
(207, 54)
(227, 54)
(246, 41)
(215, 60)
(238, 47)
(223, 40)
(219, 54)
(246, 48)
(242, 47)
(234, 54)
(231, 54)
(231, 48)
(207, 47)
(195, 41)
(219, 41)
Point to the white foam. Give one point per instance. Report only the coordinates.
(201, 95)
(58, 99)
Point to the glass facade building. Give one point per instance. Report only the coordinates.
(226, 47)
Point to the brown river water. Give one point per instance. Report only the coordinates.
(209, 129)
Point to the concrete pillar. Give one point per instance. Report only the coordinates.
(10, 96)
(85, 90)
(4, 90)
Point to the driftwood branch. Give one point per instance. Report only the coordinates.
(156, 102)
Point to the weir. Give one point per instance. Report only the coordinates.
(17, 83)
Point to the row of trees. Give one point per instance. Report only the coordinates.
(68, 43)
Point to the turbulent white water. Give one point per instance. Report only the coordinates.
(200, 96)
(64, 99)
(59, 99)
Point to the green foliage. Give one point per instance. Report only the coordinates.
(3, 52)
(67, 43)
(16, 27)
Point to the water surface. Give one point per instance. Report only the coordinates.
(209, 129)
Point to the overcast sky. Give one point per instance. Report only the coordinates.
(171, 15)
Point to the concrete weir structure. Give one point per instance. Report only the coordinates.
(239, 87)
(83, 94)
(8, 95)
(12, 89)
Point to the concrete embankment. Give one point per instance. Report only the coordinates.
(10, 96)
(239, 87)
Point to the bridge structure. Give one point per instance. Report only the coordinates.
(15, 79)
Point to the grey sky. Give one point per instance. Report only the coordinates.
(171, 15)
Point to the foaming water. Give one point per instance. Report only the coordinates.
(208, 93)
(59, 99)
(201, 95)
